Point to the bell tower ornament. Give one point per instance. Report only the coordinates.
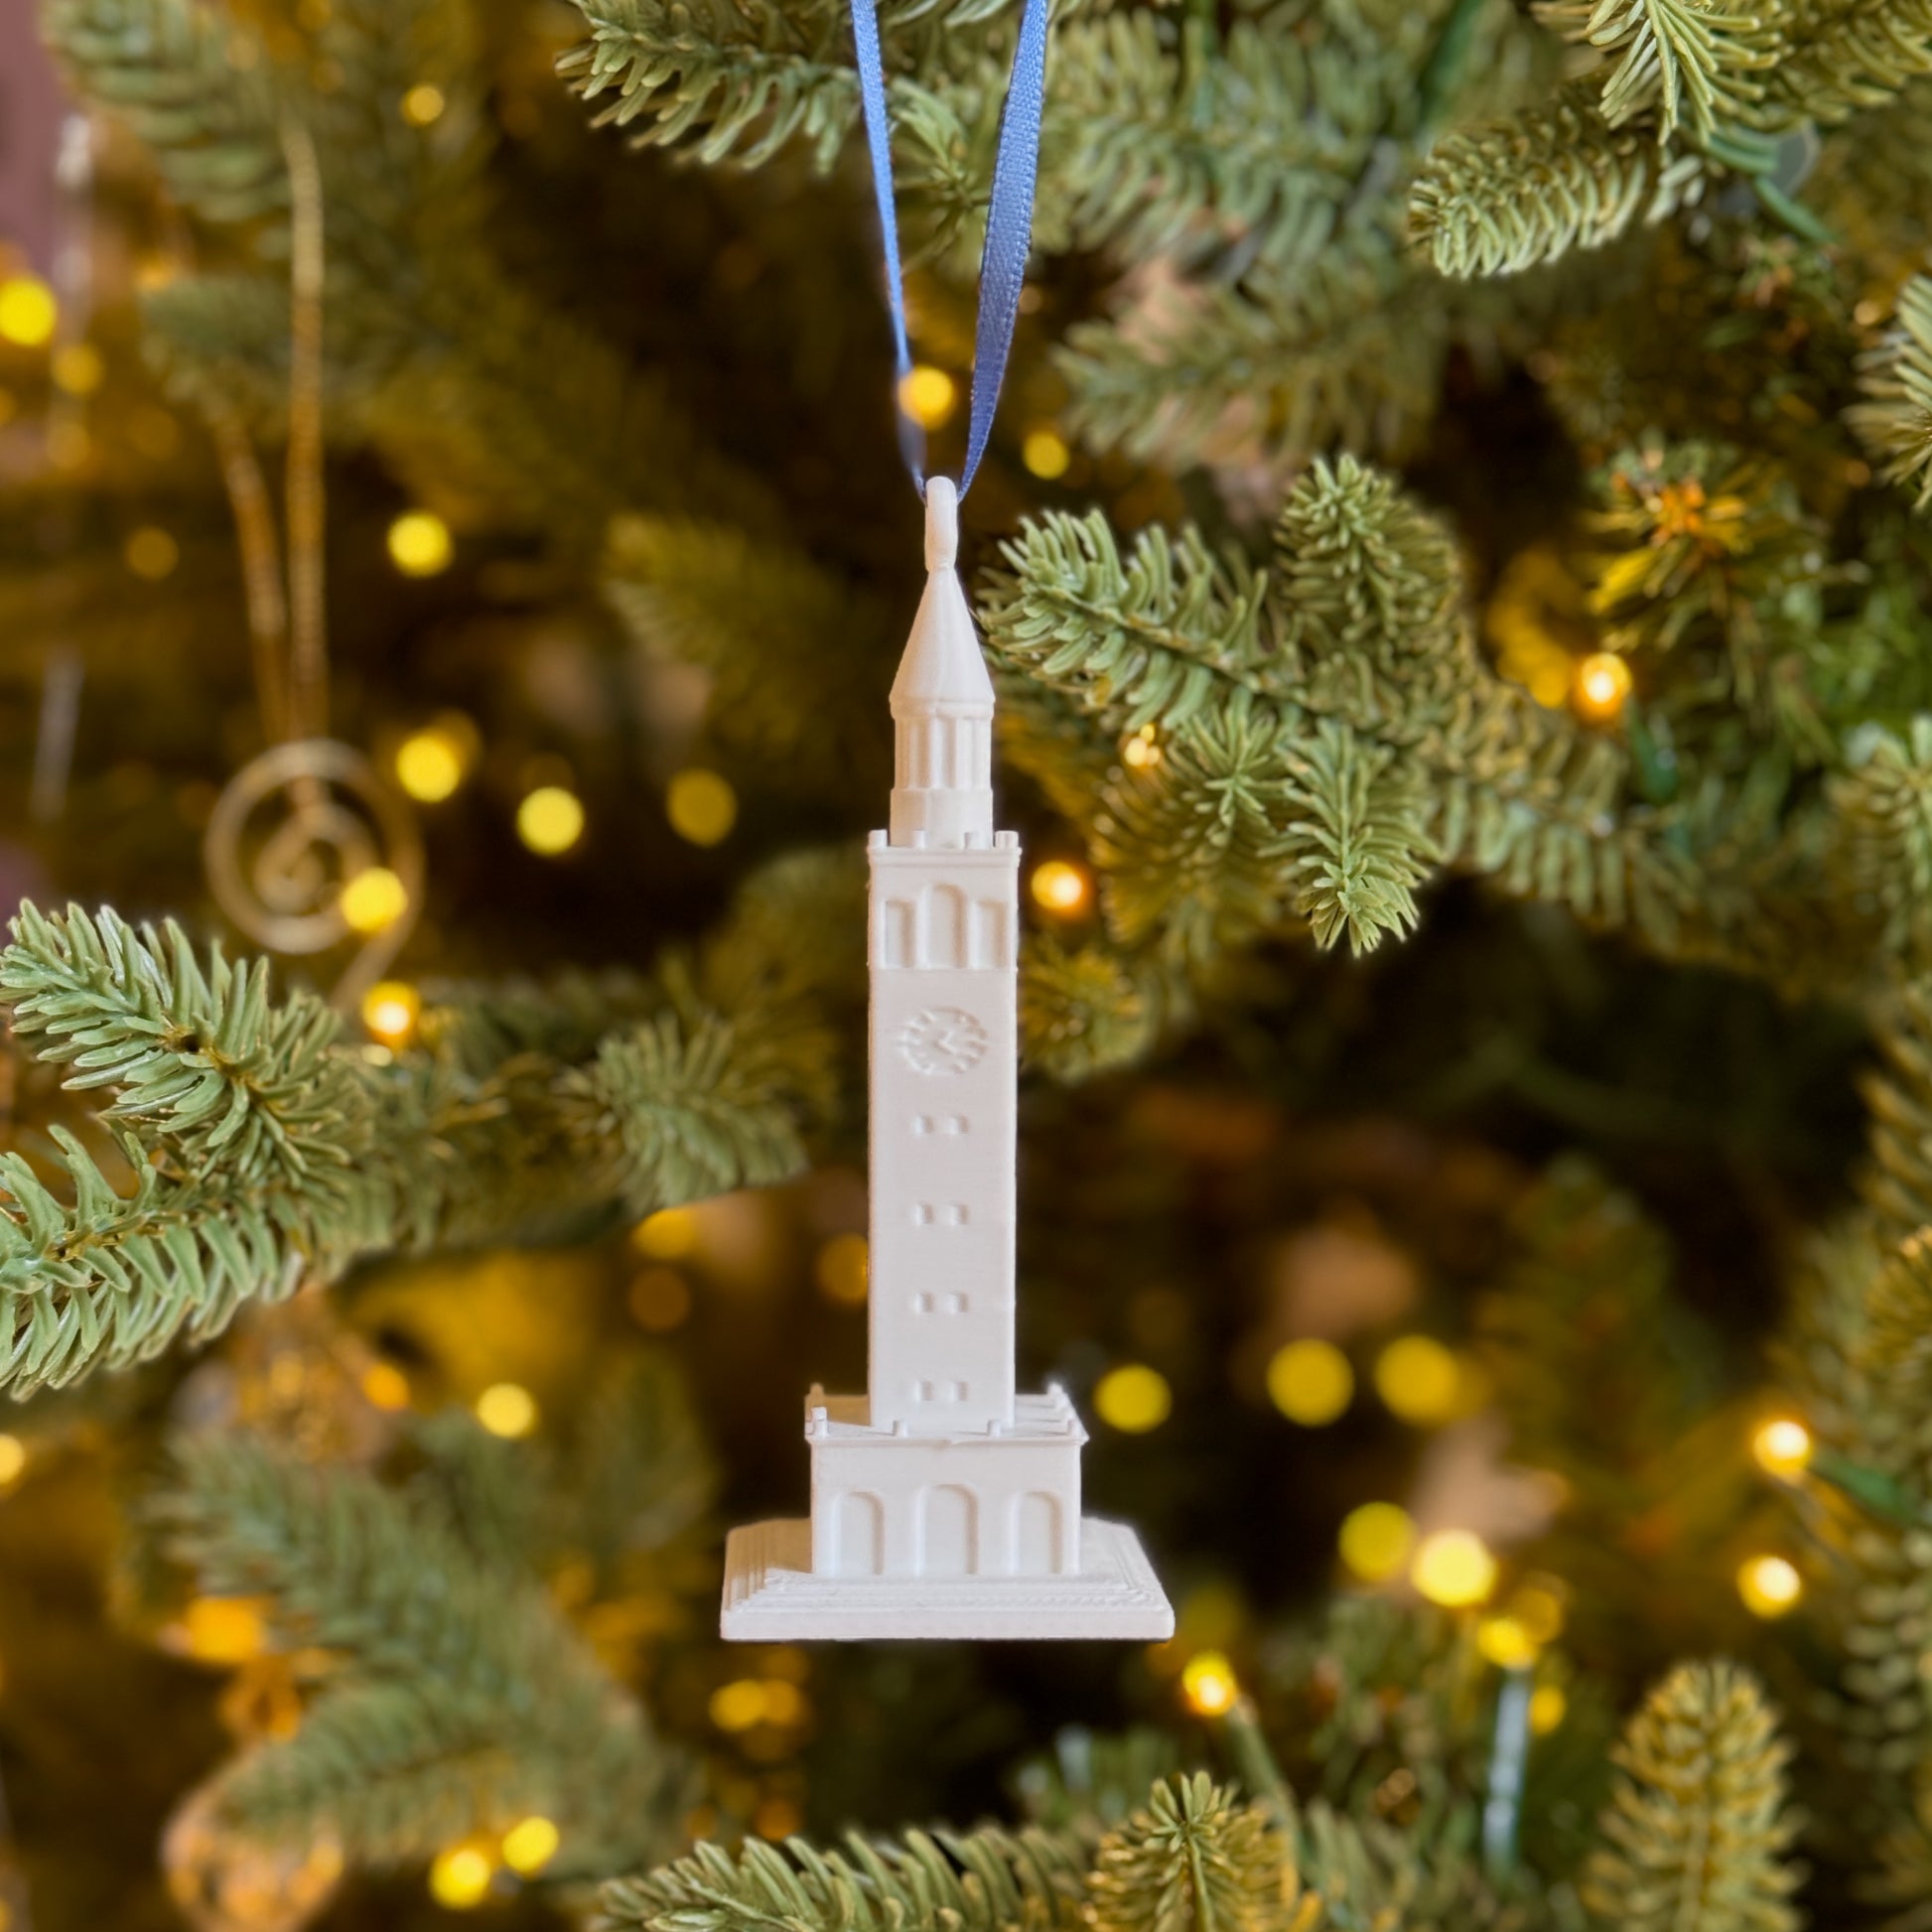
(944, 1503)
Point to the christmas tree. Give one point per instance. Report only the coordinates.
(1453, 561)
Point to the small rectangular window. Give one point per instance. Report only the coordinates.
(924, 1213)
(922, 1304)
(951, 1304)
(924, 1124)
(955, 1391)
(921, 1391)
(953, 1124)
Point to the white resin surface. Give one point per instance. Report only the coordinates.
(945, 1504)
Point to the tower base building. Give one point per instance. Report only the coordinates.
(944, 1503)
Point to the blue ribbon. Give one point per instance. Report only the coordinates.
(1009, 225)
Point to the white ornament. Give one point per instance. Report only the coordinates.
(943, 1504)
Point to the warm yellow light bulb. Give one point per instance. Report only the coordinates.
(927, 395)
(422, 104)
(1061, 887)
(1376, 1538)
(27, 311)
(701, 805)
(1602, 684)
(223, 1629)
(373, 899)
(151, 553)
(13, 1460)
(1208, 1684)
(389, 1010)
(738, 1705)
(1506, 1643)
(1133, 1398)
(671, 1235)
(1045, 453)
(507, 1409)
(429, 766)
(420, 544)
(78, 369)
(530, 1845)
(1310, 1382)
(1418, 1378)
(1454, 1568)
(1770, 1585)
(1548, 1709)
(550, 821)
(841, 1270)
(385, 1386)
(1782, 1448)
(1142, 750)
(460, 1877)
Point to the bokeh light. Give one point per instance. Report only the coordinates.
(1133, 1398)
(507, 1409)
(27, 311)
(671, 1235)
(389, 1010)
(420, 544)
(373, 899)
(1603, 686)
(1782, 1448)
(1208, 1684)
(151, 553)
(1061, 887)
(1419, 1380)
(701, 805)
(550, 820)
(1454, 1568)
(429, 766)
(927, 395)
(1310, 1382)
(841, 1270)
(1376, 1539)
(1770, 1585)
(460, 1877)
(530, 1845)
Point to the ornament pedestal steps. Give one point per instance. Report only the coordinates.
(945, 1503)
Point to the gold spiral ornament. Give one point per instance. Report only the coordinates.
(292, 830)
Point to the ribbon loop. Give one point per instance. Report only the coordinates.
(1009, 225)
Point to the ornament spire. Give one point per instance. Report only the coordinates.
(942, 703)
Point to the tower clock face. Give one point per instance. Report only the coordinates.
(942, 1040)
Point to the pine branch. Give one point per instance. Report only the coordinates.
(1169, 636)
(1698, 1835)
(1895, 421)
(1085, 1010)
(1849, 55)
(201, 1060)
(459, 1701)
(986, 1880)
(1347, 349)
(163, 66)
(1503, 198)
(764, 620)
(1882, 811)
(1196, 1860)
(1694, 64)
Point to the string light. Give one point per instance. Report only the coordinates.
(507, 1409)
(927, 395)
(530, 1845)
(375, 899)
(1548, 1709)
(738, 1705)
(151, 553)
(385, 1386)
(429, 766)
(1045, 453)
(1603, 686)
(13, 1460)
(1310, 1382)
(1770, 1585)
(671, 1235)
(460, 1877)
(1376, 1538)
(1208, 1684)
(1142, 750)
(550, 820)
(422, 104)
(77, 369)
(1782, 1448)
(1418, 1378)
(659, 1299)
(1506, 1643)
(1454, 1568)
(27, 311)
(1133, 1398)
(701, 805)
(1060, 888)
(222, 1629)
(389, 1010)
(841, 1270)
(420, 544)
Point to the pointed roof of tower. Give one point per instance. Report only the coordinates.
(942, 668)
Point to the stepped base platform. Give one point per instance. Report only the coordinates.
(772, 1596)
